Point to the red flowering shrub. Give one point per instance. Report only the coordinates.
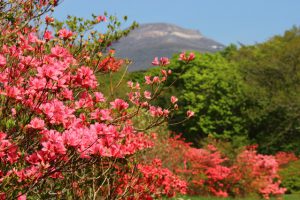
(204, 169)
(153, 180)
(60, 136)
(258, 173)
(208, 172)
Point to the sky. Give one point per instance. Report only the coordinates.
(226, 21)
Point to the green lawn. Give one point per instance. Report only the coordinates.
(285, 197)
(292, 197)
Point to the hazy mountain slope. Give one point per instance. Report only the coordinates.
(160, 39)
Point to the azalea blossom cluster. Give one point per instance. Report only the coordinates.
(187, 58)
(261, 173)
(57, 127)
(154, 179)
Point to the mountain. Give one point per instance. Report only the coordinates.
(161, 40)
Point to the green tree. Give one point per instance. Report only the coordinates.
(209, 86)
(271, 78)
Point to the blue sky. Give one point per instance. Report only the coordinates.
(226, 21)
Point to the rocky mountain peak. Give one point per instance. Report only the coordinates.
(163, 30)
(161, 39)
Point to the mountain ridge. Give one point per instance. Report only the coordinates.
(161, 40)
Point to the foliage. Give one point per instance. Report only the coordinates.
(289, 164)
(291, 177)
(208, 85)
(239, 96)
(242, 95)
(270, 74)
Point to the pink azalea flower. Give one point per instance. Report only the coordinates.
(173, 99)
(189, 113)
(101, 18)
(148, 80)
(166, 112)
(183, 57)
(130, 84)
(13, 112)
(105, 115)
(22, 197)
(32, 38)
(65, 34)
(71, 138)
(156, 79)
(145, 104)
(164, 73)
(36, 123)
(2, 61)
(119, 104)
(37, 83)
(48, 35)
(13, 92)
(99, 97)
(155, 62)
(86, 78)
(49, 19)
(156, 111)
(68, 94)
(147, 94)
(137, 86)
(191, 56)
(59, 52)
(164, 61)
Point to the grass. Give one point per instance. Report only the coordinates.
(285, 197)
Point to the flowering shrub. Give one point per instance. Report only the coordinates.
(209, 164)
(209, 172)
(60, 136)
(259, 173)
(153, 179)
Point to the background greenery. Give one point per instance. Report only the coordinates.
(243, 95)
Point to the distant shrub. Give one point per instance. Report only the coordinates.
(290, 176)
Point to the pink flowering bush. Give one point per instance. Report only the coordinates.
(60, 136)
(153, 179)
(259, 173)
